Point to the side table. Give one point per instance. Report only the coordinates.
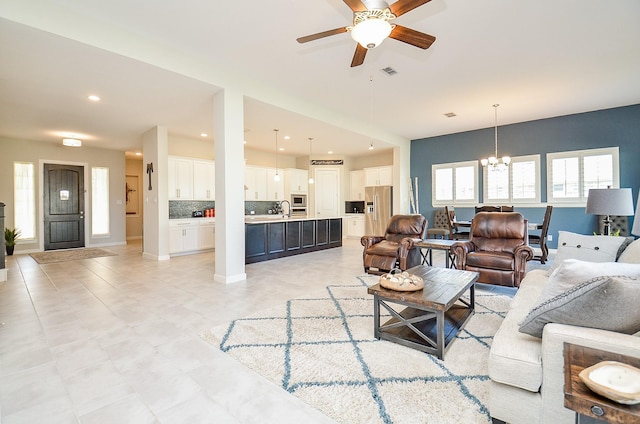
(589, 406)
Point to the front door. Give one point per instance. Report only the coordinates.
(63, 206)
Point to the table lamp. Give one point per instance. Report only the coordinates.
(610, 201)
(636, 220)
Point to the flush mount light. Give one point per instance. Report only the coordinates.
(71, 142)
(94, 98)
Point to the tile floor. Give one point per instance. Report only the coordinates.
(116, 339)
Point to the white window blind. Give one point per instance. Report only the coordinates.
(454, 183)
(517, 183)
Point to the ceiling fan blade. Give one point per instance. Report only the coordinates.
(356, 5)
(413, 37)
(323, 34)
(358, 56)
(403, 6)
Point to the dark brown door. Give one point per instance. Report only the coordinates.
(63, 206)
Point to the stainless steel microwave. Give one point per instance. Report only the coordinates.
(298, 200)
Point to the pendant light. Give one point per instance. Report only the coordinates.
(276, 177)
(493, 161)
(310, 177)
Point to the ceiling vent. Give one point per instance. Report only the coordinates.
(450, 114)
(389, 71)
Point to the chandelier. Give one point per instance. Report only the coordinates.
(493, 161)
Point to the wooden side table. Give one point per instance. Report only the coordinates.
(589, 406)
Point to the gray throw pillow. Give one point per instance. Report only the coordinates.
(608, 303)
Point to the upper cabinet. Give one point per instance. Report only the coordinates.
(356, 180)
(204, 180)
(255, 183)
(180, 179)
(296, 181)
(379, 176)
(275, 189)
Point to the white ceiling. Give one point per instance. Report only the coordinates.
(537, 59)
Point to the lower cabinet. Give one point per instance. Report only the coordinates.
(271, 240)
(189, 235)
(355, 226)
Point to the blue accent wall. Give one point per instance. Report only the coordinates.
(604, 128)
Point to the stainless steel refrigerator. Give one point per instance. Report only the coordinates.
(378, 208)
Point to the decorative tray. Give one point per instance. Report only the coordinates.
(401, 281)
(613, 380)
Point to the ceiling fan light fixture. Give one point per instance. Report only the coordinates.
(371, 32)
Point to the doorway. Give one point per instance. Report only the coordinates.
(327, 193)
(63, 187)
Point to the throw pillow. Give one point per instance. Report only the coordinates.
(573, 272)
(586, 248)
(606, 303)
(631, 255)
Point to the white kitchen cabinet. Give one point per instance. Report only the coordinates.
(204, 180)
(180, 175)
(296, 181)
(355, 226)
(378, 176)
(255, 181)
(275, 189)
(207, 235)
(356, 179)
(183, 236)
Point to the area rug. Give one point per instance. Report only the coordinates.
(69, 255)
(322, 350)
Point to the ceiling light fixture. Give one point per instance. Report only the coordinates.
(371, 27)
(310, 177)
(71, 142)
(203, 134)
(94, 98)
(493, 161)
(371, 146)
(276, 177)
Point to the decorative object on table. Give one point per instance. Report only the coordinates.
(149, 172)
(11, 235)
(613, 380)
(321, 349)
(401, 281)
(609, 201)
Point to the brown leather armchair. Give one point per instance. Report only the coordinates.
(396, 248)
(497, 248)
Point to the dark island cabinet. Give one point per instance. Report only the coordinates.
(270, 240)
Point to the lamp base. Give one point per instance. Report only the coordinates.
(607, 225)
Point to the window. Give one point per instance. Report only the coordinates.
(455, 183)
(100, 201)
(570, 175)
(24, 214)
(517, 183)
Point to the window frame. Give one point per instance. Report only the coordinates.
(581, 200)
(528, 202)
(19, 215)
(453, 166)
(100, 204)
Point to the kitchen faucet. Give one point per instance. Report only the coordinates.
(289, 209)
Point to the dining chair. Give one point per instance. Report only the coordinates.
(488, 209)
(440, 227)
(506, 208)
(455, 233)
(541, 239)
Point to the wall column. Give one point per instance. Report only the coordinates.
(228, 113)
(155, 234)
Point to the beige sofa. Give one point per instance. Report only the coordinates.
(526, 372)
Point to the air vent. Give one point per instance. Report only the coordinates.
(389, 71)
(450, 114)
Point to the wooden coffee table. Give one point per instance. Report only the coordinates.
(433, 316)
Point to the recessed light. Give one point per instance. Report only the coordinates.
(71, 142)
(281, 149)
(94, 98)
(286, 137)
(138, 153)
(203, 134)
(330, 152)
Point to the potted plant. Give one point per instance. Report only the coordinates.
(10, 237)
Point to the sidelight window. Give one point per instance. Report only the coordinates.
(24, 214)
(100, 201)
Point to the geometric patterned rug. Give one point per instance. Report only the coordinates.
(322, 350)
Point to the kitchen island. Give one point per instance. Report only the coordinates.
(272, 237)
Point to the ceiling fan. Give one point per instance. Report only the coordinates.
(371, 26)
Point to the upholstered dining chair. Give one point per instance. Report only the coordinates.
(396, 249)
(440, 225)
(455, 232)
(504, 208)
(488, 209)
(497, 248)
(541, 239)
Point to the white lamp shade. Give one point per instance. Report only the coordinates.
(610, 201)
(371, 32)
(636, 220)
